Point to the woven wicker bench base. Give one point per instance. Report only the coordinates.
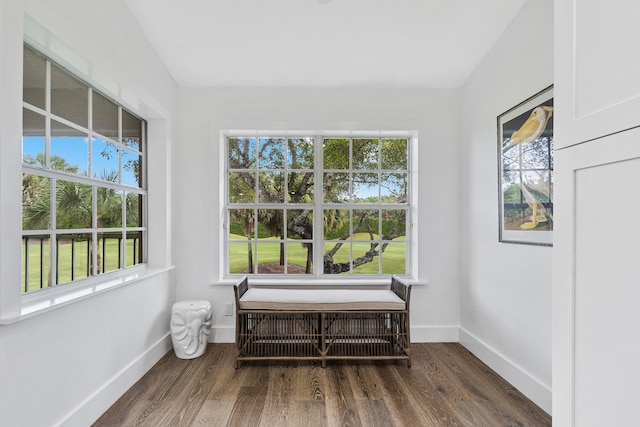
(323, 335)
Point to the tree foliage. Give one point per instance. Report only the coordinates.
(268, 171)
(74, 200)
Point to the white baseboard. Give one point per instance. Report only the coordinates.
(95, 405)
(530, 386)
(226, 334)
(434, 333)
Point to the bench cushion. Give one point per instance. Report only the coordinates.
(321, 300)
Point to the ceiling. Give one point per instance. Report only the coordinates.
(323, 43)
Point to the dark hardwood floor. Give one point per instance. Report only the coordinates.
(445, 386)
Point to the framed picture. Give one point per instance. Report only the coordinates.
(525, 170)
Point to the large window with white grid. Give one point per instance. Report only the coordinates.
(83, 179)
(317, 205)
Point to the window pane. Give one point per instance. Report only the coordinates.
(73, 205)
(300, 187)
(271, 223)
(74, 257)
(33, 138)
(336, 224)
(395, 154)
(301, 153)
(271, 187)
(365, 188)
(336, 153)
(271, 153)
(394, 258)
(105, 116)
(109, 207)
(300, 258)
(364, 248)
(242, 187)
(270, 255)
(35, 263)
(69, 149)
(365, 154)
(365, 225)
(132, 131)
(393, 187)
(69, 97)
(336, 187)
(34, 74)
(36, 202)
(134, 203)
(241, 224)
(394, 223)
(109, 251)
(242, 153)
(300, 224)
(337, 256)
(134, 248)
(131, 162)
(241, 257)
(104, 160)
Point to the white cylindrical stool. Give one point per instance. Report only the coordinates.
(190, 328)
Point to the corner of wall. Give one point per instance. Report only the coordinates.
(530, 386)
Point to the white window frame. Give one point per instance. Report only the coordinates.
(318, 275)
(119, 186)
(14, 305)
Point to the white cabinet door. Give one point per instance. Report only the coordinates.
(597, 69)
(596, 283)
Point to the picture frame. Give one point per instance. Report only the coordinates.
(525, 171)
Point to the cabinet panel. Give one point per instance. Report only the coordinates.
(607, 292)
(596, 69)
(606, 70)
(596, 290)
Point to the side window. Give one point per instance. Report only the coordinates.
(83, 179)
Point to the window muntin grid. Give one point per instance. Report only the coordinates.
(355, 218)
(83, 179)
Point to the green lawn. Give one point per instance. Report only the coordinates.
(65, 261)
(393, 258)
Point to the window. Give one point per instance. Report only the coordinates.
(317, 206)
(83, 179)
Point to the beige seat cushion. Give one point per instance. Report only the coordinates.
(321, 300)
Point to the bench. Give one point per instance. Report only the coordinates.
(322, 324)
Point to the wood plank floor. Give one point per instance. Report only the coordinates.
(445, 386)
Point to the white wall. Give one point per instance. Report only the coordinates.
(68, 365)
(506, 288)
(435, 114)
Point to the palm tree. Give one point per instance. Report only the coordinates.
(74, 207)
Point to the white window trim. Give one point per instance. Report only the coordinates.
(14, 305)
(89, 180)
(39, 302)
(317, 278)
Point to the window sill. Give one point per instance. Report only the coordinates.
(51, 299)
